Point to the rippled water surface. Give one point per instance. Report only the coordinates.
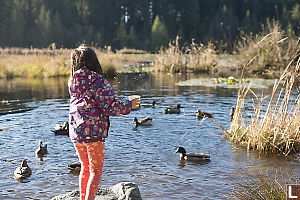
(144, 156)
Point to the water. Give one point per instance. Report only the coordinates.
(144, 156)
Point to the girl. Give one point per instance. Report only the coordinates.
(92, 102)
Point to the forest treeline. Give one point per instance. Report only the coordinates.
(141, 24)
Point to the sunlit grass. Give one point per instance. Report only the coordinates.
(24, 62)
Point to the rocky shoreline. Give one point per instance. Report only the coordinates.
(120, 191)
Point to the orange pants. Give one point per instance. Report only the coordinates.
(91, 156)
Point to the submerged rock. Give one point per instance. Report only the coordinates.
(120, 191)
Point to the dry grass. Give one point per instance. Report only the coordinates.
(277, 129)
(271, 49)
(259, 184)
(194, 58)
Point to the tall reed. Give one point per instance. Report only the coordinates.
(271, 49)
(193, 58)
(277, 129)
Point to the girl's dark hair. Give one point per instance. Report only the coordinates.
(84, 56)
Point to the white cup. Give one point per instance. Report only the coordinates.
(134, 97)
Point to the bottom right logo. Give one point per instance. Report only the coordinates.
(293, 192)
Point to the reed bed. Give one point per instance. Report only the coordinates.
(258, 184)
(271, 50)
(193, 58)
(275, 120)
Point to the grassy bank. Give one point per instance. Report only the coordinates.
(274, 123)
(17, 62)
(25, 62)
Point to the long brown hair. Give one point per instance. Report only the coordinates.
(84, 56)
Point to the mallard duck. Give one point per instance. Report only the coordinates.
(142, 122)
(173, 110)
(22, 172)
(192, 156)
(232, 113)
(149, 105)
(201, 114)
(62, 129)
(75, 166)
(42, 149)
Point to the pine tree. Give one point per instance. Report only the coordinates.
(122, 34)
(159, 34)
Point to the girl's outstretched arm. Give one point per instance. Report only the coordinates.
(105, 97)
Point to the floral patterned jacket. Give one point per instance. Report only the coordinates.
(92, 102)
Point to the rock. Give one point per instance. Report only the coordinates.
(120, 191)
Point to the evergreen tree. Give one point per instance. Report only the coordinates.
(159, 34)
(132, 38)
(122, 34)
(44, 23)
(68, 22)
(295, 15)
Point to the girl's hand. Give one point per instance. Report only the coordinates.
(135, 103)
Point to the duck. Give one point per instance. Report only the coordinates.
(173, 110)
(201, 114)
(232, 113)
(192, 156)
(62, 129)
(142, 122)
(22, 172)
(41, 150)
(149, 105)
(75, 166)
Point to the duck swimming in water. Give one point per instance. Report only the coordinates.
(149, 105)
(62, 129)
(75, 166)
(142, 122)
(42, 149)
(22, 172)
(201, 114)
(173, 110)
(192, 156)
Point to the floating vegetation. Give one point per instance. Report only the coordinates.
(4, 101)
(140, 67)
(229, 82)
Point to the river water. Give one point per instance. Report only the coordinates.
(144, 156)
